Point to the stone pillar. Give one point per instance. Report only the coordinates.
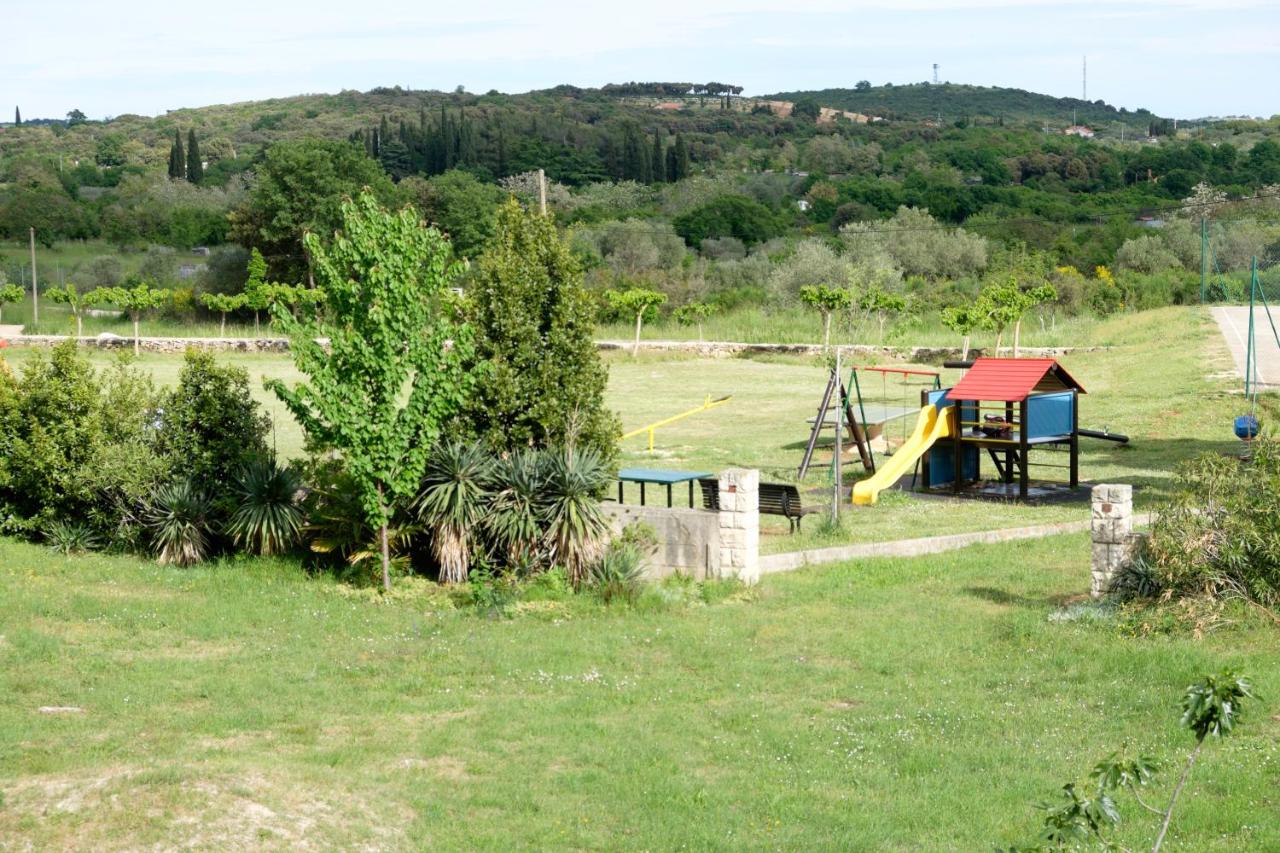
(1112, 529)
(740, 524)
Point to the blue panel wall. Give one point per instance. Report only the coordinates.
(942, 456)
(1049, 415)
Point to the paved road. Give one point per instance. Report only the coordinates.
(1234, 322)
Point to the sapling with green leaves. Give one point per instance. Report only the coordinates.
(1004, 302)
(68, 295)
(881, 304)
(224, 304)
(638, 302)
(392, 372)
(257, 295)
(1083, 815)
(827, 300)
(10, 294)
(135, 300)
(962, 319)
(694, 314)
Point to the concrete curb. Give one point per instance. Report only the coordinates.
(920, 547)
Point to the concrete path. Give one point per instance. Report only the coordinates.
(1234, 323)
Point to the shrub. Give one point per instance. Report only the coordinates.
(70, 537)
(211, 426)
(574, 522)
(618, 575)
(268, 520)
(513, 521)
(178, 520)
(1219, 533)
(451, 503)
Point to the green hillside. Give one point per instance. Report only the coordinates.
(977, 104)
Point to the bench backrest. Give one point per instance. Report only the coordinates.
(775, 498)
(710, 493)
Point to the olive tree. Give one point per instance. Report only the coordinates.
(392, 372)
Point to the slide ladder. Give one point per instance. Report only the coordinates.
(931, 425)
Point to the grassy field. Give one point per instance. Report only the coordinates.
(1166, 382)
(921, 704)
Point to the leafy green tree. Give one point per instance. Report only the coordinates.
(827, 300)
(881, 304)
(68, 295)
(806, 109)
(76, 117)
(727, 216)
(460, 205)
(658, 158)
(392, 372)
(195, 165)
(636, 302)
(542, 382)
(224, 304)
(136, 301)
(299, 187)
(680, 155)
(10, 294)
(694, 314)
(1004, 302)
(962, 320)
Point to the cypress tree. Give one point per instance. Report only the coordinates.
(195, 166)
(177, 160)
(671, 165)
(657, 160)
(17, 117)
(682, 158)
(502, 153)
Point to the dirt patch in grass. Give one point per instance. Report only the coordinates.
(442, 766)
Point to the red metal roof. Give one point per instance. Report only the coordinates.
(1011, 380)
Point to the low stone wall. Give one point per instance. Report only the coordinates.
(705, 349)
(688, 539)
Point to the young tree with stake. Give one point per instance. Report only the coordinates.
(136, 302)
(827, 300)
(69, 296)
(392, 373)
(693, 314)
(962, 320)
(638, 302)
(224, 304)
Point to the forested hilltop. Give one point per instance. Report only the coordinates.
(689, 190)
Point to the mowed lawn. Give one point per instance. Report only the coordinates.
(904, 704)
(1166, 381)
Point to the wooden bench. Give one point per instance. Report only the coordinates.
(775, 499)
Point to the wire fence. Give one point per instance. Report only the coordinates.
(1232, 252)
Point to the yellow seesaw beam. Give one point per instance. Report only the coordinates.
(707, 404)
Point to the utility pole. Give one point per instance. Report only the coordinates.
(542, 191)
(35, 288)
(1204, 257)
(835, 463)
(1084, 78)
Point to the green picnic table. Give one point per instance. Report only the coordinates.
(661, 477)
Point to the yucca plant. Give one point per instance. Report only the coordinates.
(177, 518)
(574, 525)
(514, 522)
(71, 537)
(268, 519)
(618, 574)
(451, 504)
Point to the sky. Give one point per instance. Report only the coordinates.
(1180, 58)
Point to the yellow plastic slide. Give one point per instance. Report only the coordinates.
(930, 427)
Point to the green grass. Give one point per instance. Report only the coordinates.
(902, 705)
(1166, 382)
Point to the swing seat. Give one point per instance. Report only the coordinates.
(1246, 427)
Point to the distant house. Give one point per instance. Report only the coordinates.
(203, 251)
(803, 204)
(1150, 221)
(669, 106)
(1079, 130)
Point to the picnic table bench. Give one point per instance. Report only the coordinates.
(660, 477)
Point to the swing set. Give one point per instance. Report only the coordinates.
(1247, 426)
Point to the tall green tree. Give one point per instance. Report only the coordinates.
(299, 187)
(658, 159)
(138, 299)
(195, 166)
(542, 379)
(681, 152)
(636, 302)
(17, 117)
(393, 369)
(177, 158)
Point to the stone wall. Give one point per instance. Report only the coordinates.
(109, 341)
(688, 539)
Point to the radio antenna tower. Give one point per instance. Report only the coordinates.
(935, 73)
(1084, 78)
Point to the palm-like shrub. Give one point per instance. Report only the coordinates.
(514, 519)
(178, 520)
(618, 574)
(451, 504)
(71, 537)
(336, 529)
(574, 525)
(267, 520)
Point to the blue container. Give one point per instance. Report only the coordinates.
(1246, 427)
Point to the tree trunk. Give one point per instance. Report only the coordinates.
(635, 349)
(222, 330)
(136, 343)
(79, 326)
(386, 547)
(256, 333)
(964, 349)
(1182, 780)
(1017, 336)
(699, 332)
(999, 337)
(826, 329)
